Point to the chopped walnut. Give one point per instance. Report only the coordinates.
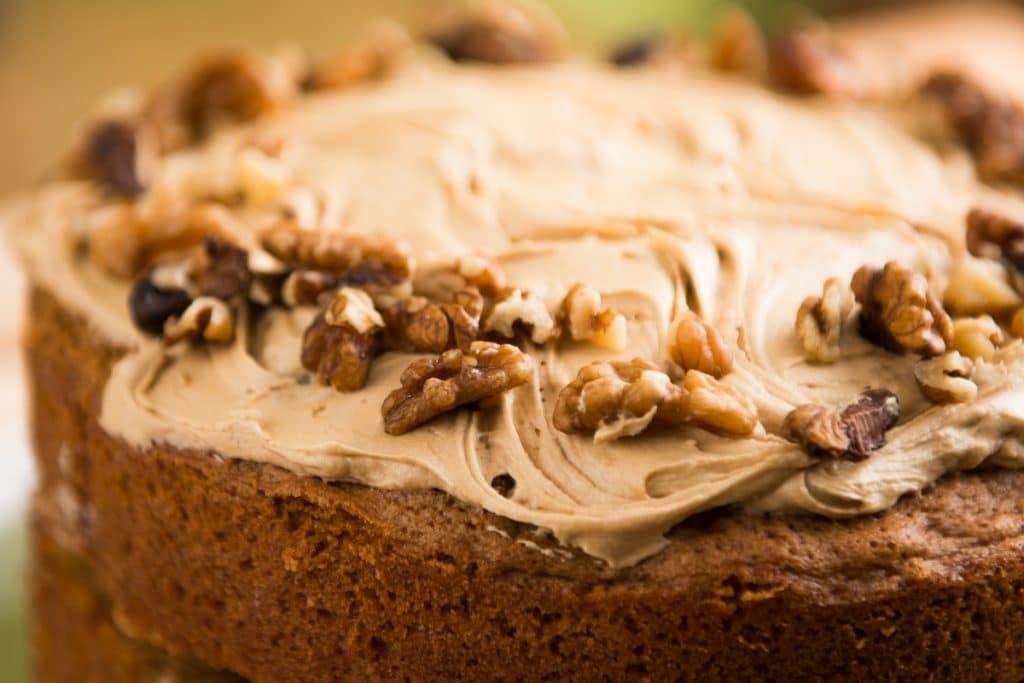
(806, 61)
(850, 434)
(615, 399)
(499, 32)
(977, 338)
(980, 286)
(261, 178)
(992, 129)
(222, 88)
(333, 251)
(993, 235)
(515, 310)
(119, 154)
(153, 303)
(586, 320)
(696, 345)
(432, 386)
(342, 342)
(899, 312)
(819, 322)
(307, 287)
(946, 378)
(468, 270)
(222, 270)
(206, 319)
(737, 44)
(422, 325)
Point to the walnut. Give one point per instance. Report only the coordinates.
(615, 399)
(342, 342)
(336, 252)
(696, 345)
(153, 303)
(206, 319)
(262, 178)
(899, 312)
(499, 32)
(421, 325)
(806, 61)
(432, 386)
(586, 320)
(850, 434)
(468, 270)
(991, 128)
(119, 153)
(515, 310)
(993, 235)
(980, 286)
(819, 322)
(737, 45)
(946, 378)
(221, 88)
(977, 338)
(307, 287)
(222, 270)
(371, 59)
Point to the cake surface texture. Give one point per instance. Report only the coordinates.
(460, 359)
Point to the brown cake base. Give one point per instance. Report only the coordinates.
(280, 578)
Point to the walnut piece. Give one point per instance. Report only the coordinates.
(468, 270)
(946, 378)
(899, 312)
(342, 342)
(586, 319)
(418, 324)
(119, 153)
(850, 434)
(151, 305)
(517, 311)
(262, 179)
(806, 61)
(991, 128)
(206, 319)
(307, 287)
(337, 252)
(980, 286)
(977, 338)
(222, 270)
(615, 399)
(432, 386)
(695, 345)
(737, 44)
(993, 235)
(499, 32)
(819, 322)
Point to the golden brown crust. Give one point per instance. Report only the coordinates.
(282, 578)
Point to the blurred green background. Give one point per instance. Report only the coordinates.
(57, 57)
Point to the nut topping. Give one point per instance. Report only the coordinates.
(819, 322)
(851, 434)
(899, 312)
(515, 310)
(119, 154)
(980, 286)
(151, 305)
(500, 33)
(432, 386)
(334, 251)
(614, 399)
(342, 342)
(946, 378)
(993, 235)
(977, 338)
(421, 325)
(737, 45)
(587, 320)
(306, 287)
(206, 319)
(222, 270)
(807, 62)
(696, 345)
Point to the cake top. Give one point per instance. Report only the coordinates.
(593, 298)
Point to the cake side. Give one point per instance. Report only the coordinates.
(234, 563)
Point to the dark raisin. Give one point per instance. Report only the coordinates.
(151, 306)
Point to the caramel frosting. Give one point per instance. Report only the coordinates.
(664, 189)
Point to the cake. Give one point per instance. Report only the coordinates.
(458, 359)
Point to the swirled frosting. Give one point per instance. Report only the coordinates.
(663, 189)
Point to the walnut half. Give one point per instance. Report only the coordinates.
(819, 322)
(432, 386)
(696, 345)
(342, 342)
(587, 320)
(615, 399)
(850, 434)
(946, 378)
(899, 311)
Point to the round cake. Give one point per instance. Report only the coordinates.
(454, 358)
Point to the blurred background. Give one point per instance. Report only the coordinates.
(57, 57)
